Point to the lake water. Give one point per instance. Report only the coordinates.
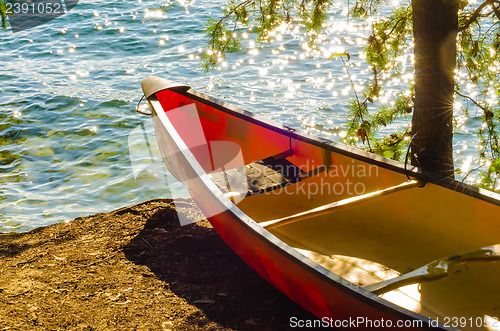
(72, 144)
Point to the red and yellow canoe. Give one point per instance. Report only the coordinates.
(355, 238)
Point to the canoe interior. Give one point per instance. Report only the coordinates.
(366, 242)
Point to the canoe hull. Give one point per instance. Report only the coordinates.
(309, 285)
(180, 115)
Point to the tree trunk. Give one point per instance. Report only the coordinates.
(435, 24)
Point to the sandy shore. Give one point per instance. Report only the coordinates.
(133, 269)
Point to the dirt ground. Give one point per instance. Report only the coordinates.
(133, 269)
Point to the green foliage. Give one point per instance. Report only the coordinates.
(388, 40)
(393, 146)
(489, 148)
(318, 14)
(365, 8)
(3, 15)
(263, 16)
(222, 40)
(478, 65)
(366, 125)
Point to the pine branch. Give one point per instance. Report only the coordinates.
(360, 105)
(395, 25)
(3, 15)
(486, 111)
(218, 30)
(497, 13)
(477, 13)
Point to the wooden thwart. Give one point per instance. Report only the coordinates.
(258, 177)
(435, 270)
(328, 208)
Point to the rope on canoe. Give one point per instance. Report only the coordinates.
(423, 179)
(138, 109)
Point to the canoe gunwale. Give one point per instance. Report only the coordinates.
(264, 235)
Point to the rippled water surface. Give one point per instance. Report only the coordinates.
(72, 144)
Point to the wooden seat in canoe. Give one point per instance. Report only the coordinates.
(331, 207)
(261, 176)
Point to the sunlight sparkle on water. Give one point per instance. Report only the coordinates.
(156, 14)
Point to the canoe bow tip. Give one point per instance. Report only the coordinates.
(152, 85)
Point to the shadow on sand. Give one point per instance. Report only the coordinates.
(199, 267)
